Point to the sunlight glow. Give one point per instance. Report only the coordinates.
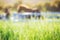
(10, 1)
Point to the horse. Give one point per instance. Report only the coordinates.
(6, 11)
(22, 8)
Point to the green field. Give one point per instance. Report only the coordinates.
(39, 30)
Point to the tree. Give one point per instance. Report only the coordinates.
(58, 4)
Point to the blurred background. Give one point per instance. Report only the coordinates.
(43, 5)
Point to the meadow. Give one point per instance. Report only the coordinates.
(30, 30)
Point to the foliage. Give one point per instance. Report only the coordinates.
(36, 30)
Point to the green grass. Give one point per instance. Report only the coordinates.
(40, 30)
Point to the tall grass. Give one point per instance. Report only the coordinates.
(40, 30)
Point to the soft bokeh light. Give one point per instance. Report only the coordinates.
(10, 2)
